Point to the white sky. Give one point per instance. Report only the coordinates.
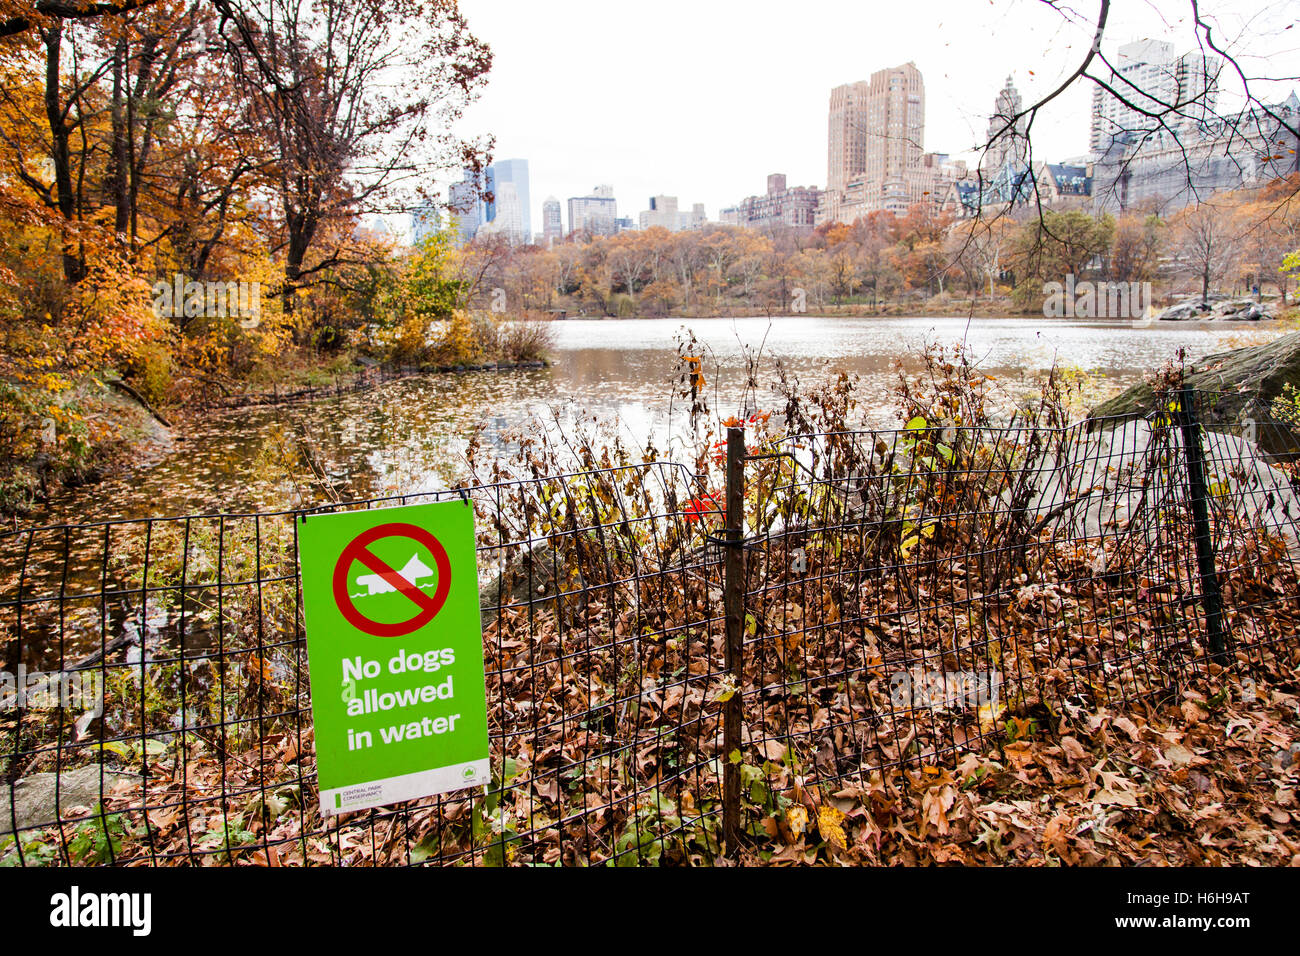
(701, 99)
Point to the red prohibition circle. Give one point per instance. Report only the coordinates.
(359, 550)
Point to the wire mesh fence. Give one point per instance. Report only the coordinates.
(662, 658)
(908, 592)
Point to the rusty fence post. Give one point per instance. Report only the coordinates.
(734, 612)
(1211, 596)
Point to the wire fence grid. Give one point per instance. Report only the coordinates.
(662, 657)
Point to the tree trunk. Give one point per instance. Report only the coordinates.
(74, 268)
(121, 199)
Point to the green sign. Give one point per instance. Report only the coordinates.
(395, 651)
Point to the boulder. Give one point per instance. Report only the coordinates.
(39, 800)
(1183, 312)
(1240, 310)
(1231, 310)
(1120, 477)
(1238, 389)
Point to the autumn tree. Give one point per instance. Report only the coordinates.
(346, 139)
(1138, 245)
(1206, 243)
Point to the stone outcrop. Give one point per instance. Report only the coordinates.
(1238, 389)
(39, 800)
(1231, 310)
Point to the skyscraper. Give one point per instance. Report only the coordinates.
(425, 220)
(895, 132)
(1183, 89)
(594, 214)
(465, 200)
(514, 172)
(847, 135)
(1008, 142)
(552, 226)
(875, 146)
(662, 213)
(508, 220)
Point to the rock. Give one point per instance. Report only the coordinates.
(1183, 312)
(40, 799)
(1238, 388)
(530, 575)
(1240, 310)
(1232, 310)
(1101, 483)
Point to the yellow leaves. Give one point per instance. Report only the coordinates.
(726, 689)
(905, 549)
(830, 825)
(796, 818)
(694, 366)
(54, 383)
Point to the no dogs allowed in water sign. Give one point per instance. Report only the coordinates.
(395, 652)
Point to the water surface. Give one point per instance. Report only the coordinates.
(410, 436)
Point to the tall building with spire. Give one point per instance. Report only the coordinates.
(1007, 141)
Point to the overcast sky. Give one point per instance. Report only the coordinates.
(701, 99)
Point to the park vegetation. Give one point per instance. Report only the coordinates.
(187, 195)
(1114, 739)
(924, 262)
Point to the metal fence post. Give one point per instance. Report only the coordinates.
(1211, 596)
(734, 611)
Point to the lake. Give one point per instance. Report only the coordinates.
(410, 435)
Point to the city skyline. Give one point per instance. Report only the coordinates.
(719, 121)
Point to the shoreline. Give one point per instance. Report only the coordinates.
(142, 436)
(1001, 316)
